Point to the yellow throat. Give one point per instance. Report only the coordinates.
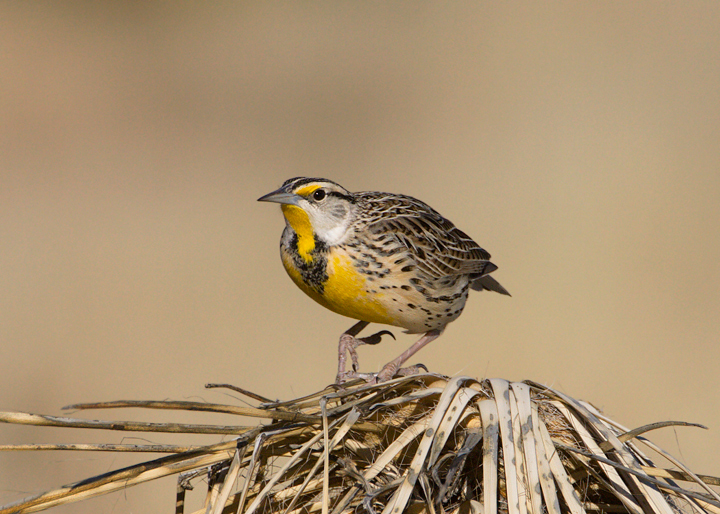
(300, 223)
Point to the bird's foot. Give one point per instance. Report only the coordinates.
(348, 346)
(385, 374)
(347, 376)
(391, 370)
(415, 369)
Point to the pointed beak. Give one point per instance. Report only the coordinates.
(281, 196)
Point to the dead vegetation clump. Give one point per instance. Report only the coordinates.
(416, 444)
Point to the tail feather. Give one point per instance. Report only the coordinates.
(486, 282)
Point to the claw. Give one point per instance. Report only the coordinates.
(376, 338)
(391, 370)
(411, 370)
(347, 346)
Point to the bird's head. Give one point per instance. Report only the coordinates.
(319, 205)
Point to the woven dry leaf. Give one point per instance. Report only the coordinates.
(420, 444)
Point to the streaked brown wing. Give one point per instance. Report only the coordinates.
(438, 247)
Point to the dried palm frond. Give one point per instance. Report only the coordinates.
(416, 444)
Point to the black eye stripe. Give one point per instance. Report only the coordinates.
(340, 195)
(334, 194)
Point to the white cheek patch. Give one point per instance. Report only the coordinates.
(335, 235)
(329, 229)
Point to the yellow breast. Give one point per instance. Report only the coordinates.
(346, 291)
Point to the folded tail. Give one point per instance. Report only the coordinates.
(486, 282)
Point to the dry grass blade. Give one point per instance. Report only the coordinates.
(326, 457)
(569, 493)
(231, 478)
(547, 484)
(136, 448)
(198, 406)
(252, 469)
(421, 444)
(240, 390)
(524, 484)
(631, 434)
(679, 475)
(491, 430)
(25, 418)
(527, 436)
(512, 481)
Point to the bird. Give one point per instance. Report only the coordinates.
(378, 258)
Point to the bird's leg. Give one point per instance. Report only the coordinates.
(391, 368)
(348, 344)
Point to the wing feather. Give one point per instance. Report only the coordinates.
(438, 247)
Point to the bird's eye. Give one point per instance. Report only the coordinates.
(319, 195)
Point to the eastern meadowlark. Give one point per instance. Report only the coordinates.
(378, 258)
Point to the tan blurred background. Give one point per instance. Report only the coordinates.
(577, 142)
